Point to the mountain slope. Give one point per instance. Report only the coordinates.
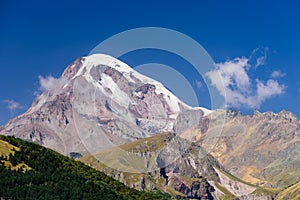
(193, 173)
(53, 176)
(263, 148)
(100, 102)
(292, 192)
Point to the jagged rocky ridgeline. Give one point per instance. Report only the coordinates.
(263, 148)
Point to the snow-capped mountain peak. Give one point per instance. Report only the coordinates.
(103, 97)
(130, 74)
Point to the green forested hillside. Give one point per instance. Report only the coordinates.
(29, 171)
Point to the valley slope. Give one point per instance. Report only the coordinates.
(44, 174)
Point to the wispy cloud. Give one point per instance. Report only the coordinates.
(260, 56)
(12, 105)
(50, 83)
(238, 88)
(198, 84)
(277, 74)
(260, 61)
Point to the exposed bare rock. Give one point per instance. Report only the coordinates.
(72, 69)
(263, 148)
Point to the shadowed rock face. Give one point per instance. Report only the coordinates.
(197, 190)
(103, 103)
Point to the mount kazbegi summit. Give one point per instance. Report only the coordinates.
(100, 102)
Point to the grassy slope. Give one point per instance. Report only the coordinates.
(6, 150)
(154, 144)
(53, 176)
(227, 195)
(151, 144)
(292, 192)
(259, 190)
(128, 163)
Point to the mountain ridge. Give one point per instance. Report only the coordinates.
(101, 104)
(262, 148)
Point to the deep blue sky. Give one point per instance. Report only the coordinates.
(43, 37)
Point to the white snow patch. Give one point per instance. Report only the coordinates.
(117, 95)
(97, 59)
(205, 110)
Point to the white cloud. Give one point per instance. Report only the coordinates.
(277, 74)
(265, 91)
(50, 83)
(198, 84)
(234, 73)
(232, 80)
(12, 105)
